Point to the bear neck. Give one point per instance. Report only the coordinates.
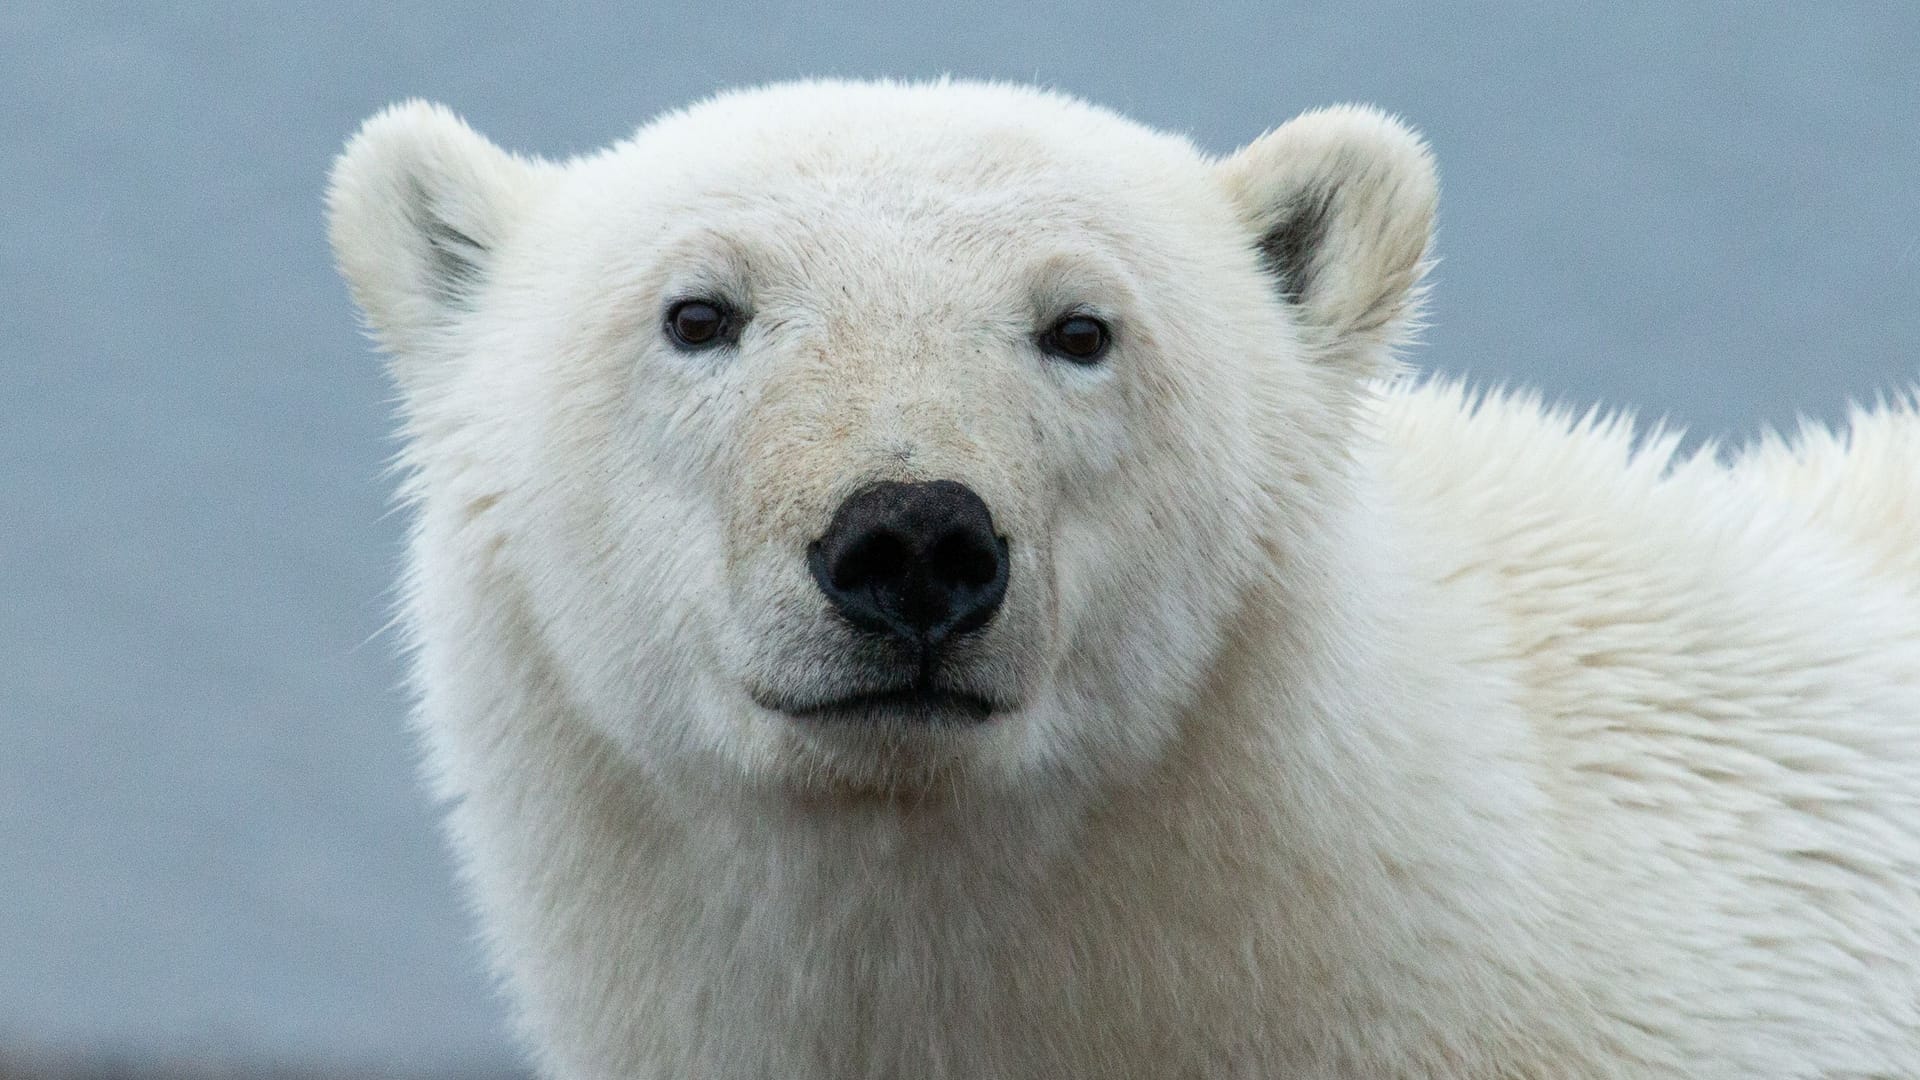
(1271, 852)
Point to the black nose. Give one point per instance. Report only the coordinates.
(917, 562)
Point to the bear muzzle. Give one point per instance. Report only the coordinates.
(916, 570)
(918, 563)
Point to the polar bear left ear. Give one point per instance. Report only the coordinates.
(1340, 203)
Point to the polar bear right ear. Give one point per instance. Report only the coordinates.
(417, 203)
(1340, 203)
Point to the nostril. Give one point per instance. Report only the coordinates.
(876, 557)
(961, 558)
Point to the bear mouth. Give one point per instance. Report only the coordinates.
(910, 703)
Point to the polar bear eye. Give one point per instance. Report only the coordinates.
(1082, 339)
(698, 324)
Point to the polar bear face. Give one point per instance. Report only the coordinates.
(873, 439)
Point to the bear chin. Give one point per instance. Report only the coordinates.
(879, 757)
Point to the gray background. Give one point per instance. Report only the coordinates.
(211, 843)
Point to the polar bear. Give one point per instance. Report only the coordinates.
(941, 581)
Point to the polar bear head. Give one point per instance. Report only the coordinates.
(874, 438)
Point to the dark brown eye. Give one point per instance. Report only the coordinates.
(1082, 339)
(696, 324)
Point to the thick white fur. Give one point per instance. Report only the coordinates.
(1356, 727)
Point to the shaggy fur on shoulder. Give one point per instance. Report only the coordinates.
(1332, 724)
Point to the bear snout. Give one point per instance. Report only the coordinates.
(917, 563)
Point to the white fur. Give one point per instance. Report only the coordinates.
(1354, 727)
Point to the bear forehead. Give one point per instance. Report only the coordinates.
(838, 181)
(902, 147)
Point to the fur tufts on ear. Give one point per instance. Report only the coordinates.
(1340, 204)
(416, 205)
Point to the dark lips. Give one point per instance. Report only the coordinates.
(921, 703)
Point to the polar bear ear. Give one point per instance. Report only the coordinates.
(416, 206)
(1340, 203)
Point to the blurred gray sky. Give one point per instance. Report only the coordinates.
(210, 837)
